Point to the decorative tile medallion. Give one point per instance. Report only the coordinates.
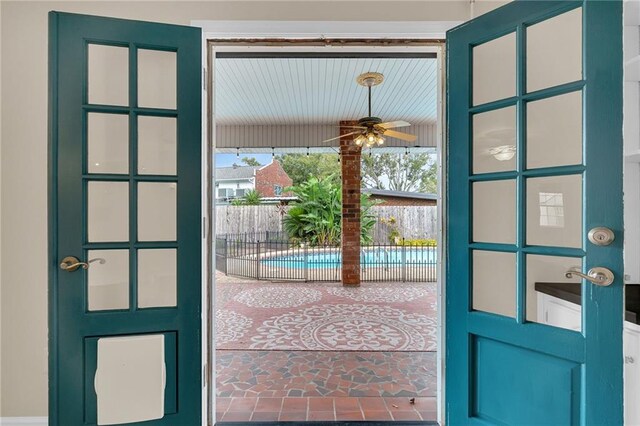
(278, 297)
(231, 326)
(352, 327)
(379, 294)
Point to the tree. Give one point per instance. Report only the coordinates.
(248, 161)
(316, 216)
(400, 172)
(301, 167)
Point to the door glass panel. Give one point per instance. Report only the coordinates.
(108, 280)
(108, 75)
(157, 79)
(494, 70)
(494, 141)
(554, 51)
(494, 211)
(554, 131)
(108, 143)
(494, 282)
(108, 211)
(157, 211)
(130, 379)
(552, 298)
(157, 278)
(554, 211)
(157, 145)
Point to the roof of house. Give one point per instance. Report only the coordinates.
(400, 194)
(236, 172)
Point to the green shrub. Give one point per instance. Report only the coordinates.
(419, 242)
(316, 216)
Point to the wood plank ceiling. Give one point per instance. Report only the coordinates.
(313, 91)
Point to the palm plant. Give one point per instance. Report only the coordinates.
(316, 216)
(251, 198)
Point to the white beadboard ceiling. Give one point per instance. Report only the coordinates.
(313, 91)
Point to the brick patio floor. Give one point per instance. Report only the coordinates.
(372, 375)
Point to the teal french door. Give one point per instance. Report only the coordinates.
(534, 164)
(125, 233)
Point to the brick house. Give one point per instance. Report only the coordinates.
(269, 180)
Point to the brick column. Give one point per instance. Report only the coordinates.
(350, 161)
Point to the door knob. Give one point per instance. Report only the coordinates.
(598, 275)
(71, 263)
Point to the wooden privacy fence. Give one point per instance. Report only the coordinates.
(409, 222)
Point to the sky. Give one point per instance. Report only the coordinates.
(227, 160)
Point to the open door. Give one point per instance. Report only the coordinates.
(124, 206)
(534, 187)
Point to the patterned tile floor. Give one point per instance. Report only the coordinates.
(347, 366)
(391, 316)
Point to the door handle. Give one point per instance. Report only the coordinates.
(71, 263)
(598, 275)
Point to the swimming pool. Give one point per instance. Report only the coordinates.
(368, 257)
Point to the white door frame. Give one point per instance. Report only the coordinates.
(314, 30)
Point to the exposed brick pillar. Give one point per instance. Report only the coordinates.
(350, 161)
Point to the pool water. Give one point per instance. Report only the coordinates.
(375, 257)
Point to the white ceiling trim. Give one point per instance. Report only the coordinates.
(285, 137)
(328, 29)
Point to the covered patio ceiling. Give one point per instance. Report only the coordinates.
(297, 102)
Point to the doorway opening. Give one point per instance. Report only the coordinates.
(293, 343)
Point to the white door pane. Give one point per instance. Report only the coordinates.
(157, 147)
(108, 211)
(494, 282)
(157, 211)
(554, 211)
(130, 379)
(554, 51)
(544, 304)
(108, 75)
(157, 79)
(108, 280)
(494, 69)
(494, 211)
(108, 143)
(157, 282)
(554, 131)
(494, 141)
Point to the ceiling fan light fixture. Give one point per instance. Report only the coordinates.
(359, 140)
(503, 153)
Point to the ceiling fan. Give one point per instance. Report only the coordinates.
(371, 130)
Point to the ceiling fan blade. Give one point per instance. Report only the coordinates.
(351, 127)
(341, 136)
(399, 135)
(393, 124)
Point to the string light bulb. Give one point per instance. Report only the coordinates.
(238, 152)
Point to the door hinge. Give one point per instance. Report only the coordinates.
(204, 78)
(205, 227)
(205, 376)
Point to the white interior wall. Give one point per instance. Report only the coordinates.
(0, 212)
(23, 153)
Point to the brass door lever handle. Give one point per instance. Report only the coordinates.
(72, 263)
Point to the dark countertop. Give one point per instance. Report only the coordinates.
(572, 292)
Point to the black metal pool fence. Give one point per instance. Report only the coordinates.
(273, 256)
